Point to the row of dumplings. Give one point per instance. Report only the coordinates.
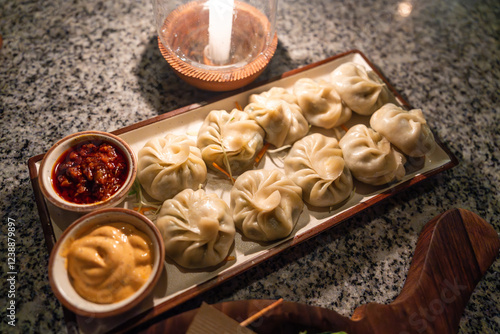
(199, 227)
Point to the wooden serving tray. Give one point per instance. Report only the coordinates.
(178, 285)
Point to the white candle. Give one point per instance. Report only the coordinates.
(220, 25)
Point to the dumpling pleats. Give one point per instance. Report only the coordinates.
(320, 103)
(316, 164)
(370, 156)
(170, 164)
(197, 228)
(265, 204)
(360, 91)
(407, 130)
(230, 140)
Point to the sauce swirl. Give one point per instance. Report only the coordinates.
(109, 262)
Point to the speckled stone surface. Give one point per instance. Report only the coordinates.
(67, 66)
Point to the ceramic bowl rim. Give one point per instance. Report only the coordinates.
(106, 310)
(53, 154)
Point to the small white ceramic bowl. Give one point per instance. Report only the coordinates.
(62, 146)
(59, 278)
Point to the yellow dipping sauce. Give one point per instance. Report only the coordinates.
(109, 263)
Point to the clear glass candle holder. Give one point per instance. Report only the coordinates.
(217, 45)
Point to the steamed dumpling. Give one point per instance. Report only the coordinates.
(315, 164)
(275, 93)
(169, 165)
(320, 103)
(278, 114)
(370, 156)
(231, 140)
(407, 130)
(266, 204)
(362, 92)
(197, 229)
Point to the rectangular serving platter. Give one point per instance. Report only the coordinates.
(178, 285)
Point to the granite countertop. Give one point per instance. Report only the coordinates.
(67, 66)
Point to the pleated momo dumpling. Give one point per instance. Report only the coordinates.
(370, 156)
(315, 163)
(320, 103)
(279, 115)
(266, 204)
(231, 140)
(407, 130)
(275, 93)
(169, 165)
(362, 92)
(197, 229)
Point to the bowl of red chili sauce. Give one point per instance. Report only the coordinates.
(87, 171)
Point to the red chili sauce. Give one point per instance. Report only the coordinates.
(90, 172)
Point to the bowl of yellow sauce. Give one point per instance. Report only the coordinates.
(106, 262)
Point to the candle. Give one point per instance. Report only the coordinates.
(220, 26)
(217, 45)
